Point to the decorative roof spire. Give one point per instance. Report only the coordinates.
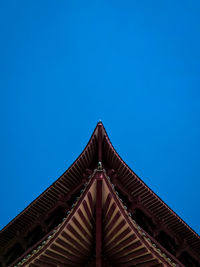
(99, 136)
(99, 166)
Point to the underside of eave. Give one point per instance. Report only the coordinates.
(81, 216)
(71, 243)
(149, 251)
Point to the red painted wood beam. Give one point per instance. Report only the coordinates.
(99, 220)
(110, 213)
(81, 228)
(87, 210)
(91, 202)
(87, 224)
(107, 204)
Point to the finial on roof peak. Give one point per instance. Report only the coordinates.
(100, 122)
(100, 166)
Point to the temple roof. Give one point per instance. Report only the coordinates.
(159, 226)
(72, 242)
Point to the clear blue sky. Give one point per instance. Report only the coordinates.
(133, 64)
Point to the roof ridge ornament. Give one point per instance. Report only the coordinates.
(99, 166)
(99, 136)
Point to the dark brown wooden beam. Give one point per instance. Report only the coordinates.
(124, 244)
(107, 204)
(99, 222)
(112, 223)
(75, 243)
(140, 260)
(152, 263)
(59, 258)
(128, 257)
(109, 213)
(157, 265)
(44, 264)
(91, 202)
(80, 227)
(33, 265)
(87, 224)
(77, 235)
(128, 253)
(62, 251)
(54, 260)
(89, 214)
(71, 248)
(115, 231)
(119, 238)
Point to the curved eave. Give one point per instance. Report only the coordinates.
(72, 242)
(67, 182)
(126, 243)
(99, 146)
(137, 188)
